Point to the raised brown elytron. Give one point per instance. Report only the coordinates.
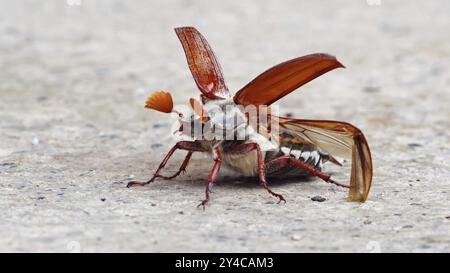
(293, 146)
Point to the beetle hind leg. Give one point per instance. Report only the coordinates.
(283, 161)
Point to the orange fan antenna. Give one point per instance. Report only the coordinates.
(160, 101)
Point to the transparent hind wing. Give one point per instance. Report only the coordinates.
(338, 139)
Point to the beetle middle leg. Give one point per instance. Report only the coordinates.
(248, 147)
(212, 177)
(182, 145)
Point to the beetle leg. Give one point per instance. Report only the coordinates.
(262, 177)
(248, 147)
(212, 177)
(181, 170)
(182, 145)
(285, 160)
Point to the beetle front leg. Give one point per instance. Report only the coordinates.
(182, 145)
(182, 169)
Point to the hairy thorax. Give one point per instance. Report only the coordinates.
(244, 163)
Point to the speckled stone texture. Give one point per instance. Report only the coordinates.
(73, 129)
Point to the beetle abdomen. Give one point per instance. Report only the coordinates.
(246, 164)
(305, 153)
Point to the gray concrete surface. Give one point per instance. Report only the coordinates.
(73, 129)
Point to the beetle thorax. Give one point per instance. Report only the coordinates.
(225, 115)
(230, 119)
